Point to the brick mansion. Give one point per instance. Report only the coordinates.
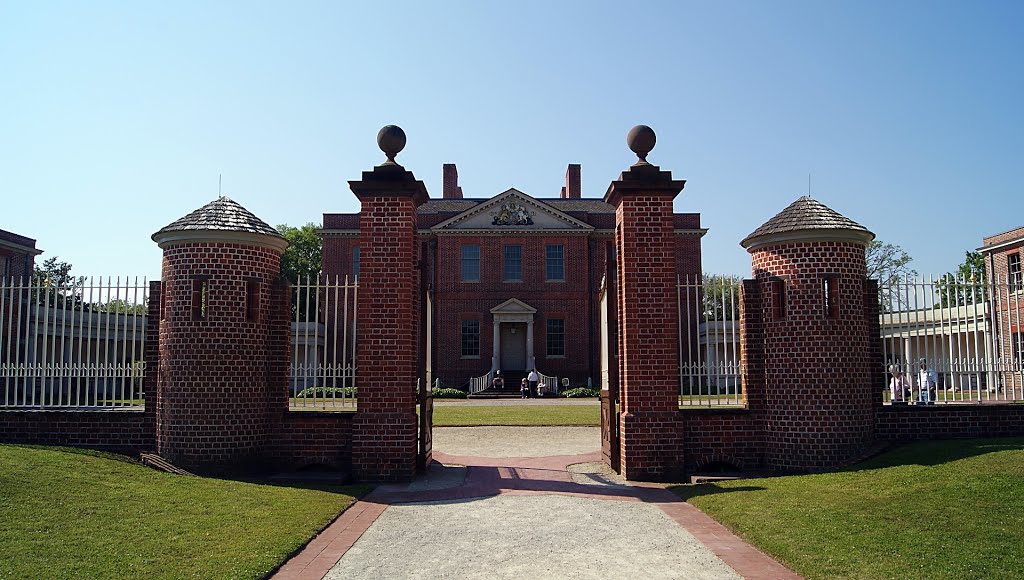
(515, 278)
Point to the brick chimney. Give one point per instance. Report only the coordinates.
(572, 188)
(451, 189)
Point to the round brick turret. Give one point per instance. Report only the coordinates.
(215, 404)
(810, 269)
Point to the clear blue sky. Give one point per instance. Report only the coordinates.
(118, 117)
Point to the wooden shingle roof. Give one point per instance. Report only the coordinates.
(806, 215)
(221, 214)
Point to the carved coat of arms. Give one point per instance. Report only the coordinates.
(512, 213)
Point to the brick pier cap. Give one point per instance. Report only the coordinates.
(216, 406)
(809, 266)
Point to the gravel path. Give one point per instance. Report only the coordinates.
(528, 537)
(516, 441)
(525, 503)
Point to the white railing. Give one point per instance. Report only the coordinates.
(709, 341)
(72, 342)
(967, 332)
(481, 383)
(323, 360)
(550, 383)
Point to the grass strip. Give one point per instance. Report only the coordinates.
(78, 514)
(938, 509)
(512, 415)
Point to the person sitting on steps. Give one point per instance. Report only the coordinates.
(524, 389)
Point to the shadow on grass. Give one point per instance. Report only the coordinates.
(688, 492)
(357, 490)
(938, 452)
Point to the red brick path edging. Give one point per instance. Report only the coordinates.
(525, 476)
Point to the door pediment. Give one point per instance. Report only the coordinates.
(513, 306)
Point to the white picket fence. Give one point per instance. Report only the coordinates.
(323, 364)
(709, 341)
(75, 342)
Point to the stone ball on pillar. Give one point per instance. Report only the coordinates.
(391, 140)
(641, 140)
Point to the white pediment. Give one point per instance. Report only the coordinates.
(515, 211)
(513, 306)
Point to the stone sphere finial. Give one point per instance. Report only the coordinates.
(641, 140)
(391, 140)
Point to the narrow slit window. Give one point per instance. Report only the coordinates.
(830, 290)
(252, 301)
(200, 298)
(164, 288)
(779, 299)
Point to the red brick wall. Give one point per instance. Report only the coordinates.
(647, 316)
(913, 422)
(817, 373)
(570, 300)
(313, 438)
(385, 429)
(213, 388)
(731, 436)
(116, 431)
(1004, 237)
(337, 257)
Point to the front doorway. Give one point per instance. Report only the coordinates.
(513, 346)
(513, 336)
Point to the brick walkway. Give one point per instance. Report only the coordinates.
(487, 477)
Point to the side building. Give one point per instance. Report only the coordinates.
(1002, 253)
(514, 279)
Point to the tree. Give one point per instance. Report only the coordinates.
(967, 285)
(889, 264)
(302, 259)
(119, 306)
(56, 286)
(721, 297)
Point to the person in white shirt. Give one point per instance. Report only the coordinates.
(533, 377)
(926, 382)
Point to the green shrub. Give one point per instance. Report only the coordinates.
(580, 393)
(449, 394)
(327, 392)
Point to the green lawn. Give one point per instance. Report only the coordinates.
(80, 514)
(471, 416)
(949, 509)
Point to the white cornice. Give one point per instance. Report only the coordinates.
(178, 237)
(336, 233)
(697, 232)
(862, 237)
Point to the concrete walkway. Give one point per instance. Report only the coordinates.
(551, 511)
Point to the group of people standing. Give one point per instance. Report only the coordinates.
(900, 390)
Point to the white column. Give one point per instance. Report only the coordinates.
(496, 342)
(531, 363)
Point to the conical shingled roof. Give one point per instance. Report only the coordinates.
(806, 214)
(221, 214)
